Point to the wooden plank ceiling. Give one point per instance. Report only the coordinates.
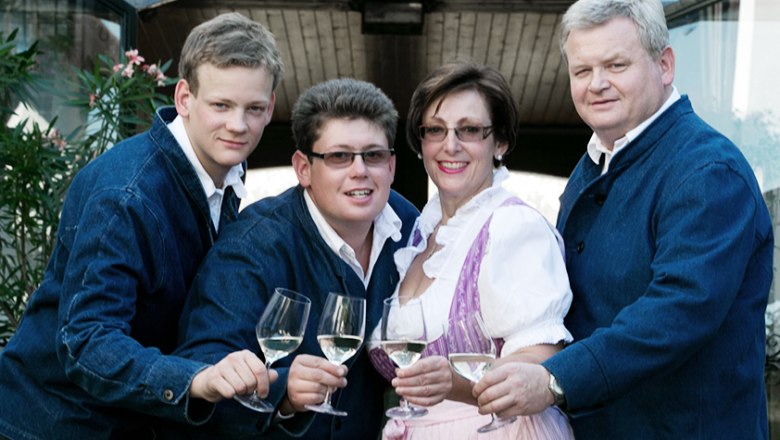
(320, 40)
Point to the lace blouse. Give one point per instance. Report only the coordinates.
(523, 285)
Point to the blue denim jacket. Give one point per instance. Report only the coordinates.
(91, 348)
(670, 261)
(275, 243)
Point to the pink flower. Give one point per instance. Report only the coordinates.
(156, 73)
(128, 72)
(160, 79)
(92, 97)
(118, 67)
(133, 57)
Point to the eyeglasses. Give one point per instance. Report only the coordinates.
(467, 133)
(341, 159)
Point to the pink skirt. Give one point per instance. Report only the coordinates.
(451, 420)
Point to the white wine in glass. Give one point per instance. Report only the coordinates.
(471, 366)
(404, 339)
(471, 353)
(279, 332)
(340, 334)
(339, 348)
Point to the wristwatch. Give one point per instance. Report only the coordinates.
(556, 390)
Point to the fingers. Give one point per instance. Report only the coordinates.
(426, 382)
(239, 372)
(310, 378)
(513, 389)
(495, 375)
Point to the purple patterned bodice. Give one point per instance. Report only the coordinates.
(465, 300)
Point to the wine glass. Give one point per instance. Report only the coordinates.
(403, 339)
(279, 332)
(340, 333)
(471, 353)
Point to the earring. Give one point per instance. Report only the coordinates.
(419, 156)
(499, 157)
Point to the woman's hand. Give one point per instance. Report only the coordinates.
(426, 382)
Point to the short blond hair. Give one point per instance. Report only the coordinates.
(229, 40)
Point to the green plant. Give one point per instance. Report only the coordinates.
(119, 98)
(17, 76)
(38, 164)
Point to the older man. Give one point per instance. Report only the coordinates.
(669, 252)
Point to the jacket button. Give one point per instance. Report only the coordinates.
(168, 395)
(600, 199)
(580, 247)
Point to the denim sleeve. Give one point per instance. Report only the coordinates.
(110, 262)
(703, 234)
(227, 297)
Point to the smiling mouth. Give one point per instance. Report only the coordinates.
(236, 143)
(453, 165)
(359, 193)
(602, 102)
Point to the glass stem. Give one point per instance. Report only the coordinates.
(327, 397)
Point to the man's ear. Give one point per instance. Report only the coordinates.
(666, 63)
(182, 97)
(302, 167)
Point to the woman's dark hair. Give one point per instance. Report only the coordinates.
(458, 76)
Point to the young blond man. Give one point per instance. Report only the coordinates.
(91, 358)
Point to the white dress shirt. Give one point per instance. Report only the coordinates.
(214, 195)
(596, 148)
(386, 225)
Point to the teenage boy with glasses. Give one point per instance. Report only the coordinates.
(334, 232)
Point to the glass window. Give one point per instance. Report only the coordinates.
(70, 34)
(726, 62)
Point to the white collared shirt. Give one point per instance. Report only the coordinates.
(214, 195)
(596, 148)
(386, 225)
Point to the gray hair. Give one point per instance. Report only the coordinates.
(229, 40)
(648, 15)
(343, 98)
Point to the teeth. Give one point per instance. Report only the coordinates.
(453, 165)
(359, 193)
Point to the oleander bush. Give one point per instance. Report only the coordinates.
(38, 162)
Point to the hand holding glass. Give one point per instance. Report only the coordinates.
(279, 332)
(340, 334)
(471, 353)
(403, 339)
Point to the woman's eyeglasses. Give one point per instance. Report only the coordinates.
(342, 159)
(467, 133)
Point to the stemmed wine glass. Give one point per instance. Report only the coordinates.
(471, 353)
(279, 332)
(340, 334)
(403, 339)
